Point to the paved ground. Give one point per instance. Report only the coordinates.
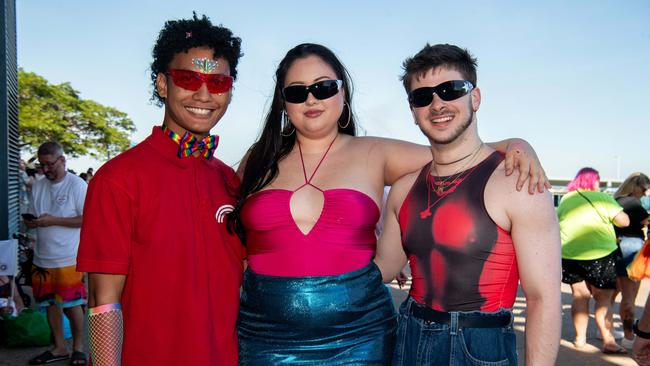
(568, 356)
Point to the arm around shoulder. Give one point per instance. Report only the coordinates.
(400, 157)
(521, 155)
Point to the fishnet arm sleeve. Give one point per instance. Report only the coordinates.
(106, 332)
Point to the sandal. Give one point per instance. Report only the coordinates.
(78, 359)
(47, 357)
(616, 351)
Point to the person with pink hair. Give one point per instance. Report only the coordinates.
(589, 251)
(586, 179)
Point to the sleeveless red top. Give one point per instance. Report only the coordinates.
(461, 260)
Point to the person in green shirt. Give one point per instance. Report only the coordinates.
(589, 248)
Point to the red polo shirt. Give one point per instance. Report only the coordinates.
(160, 221)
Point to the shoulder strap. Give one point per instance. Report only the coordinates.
(304, 170)
(592, 205)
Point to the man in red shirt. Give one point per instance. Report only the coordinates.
(161, 263)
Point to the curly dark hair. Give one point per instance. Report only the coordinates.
(181, 35)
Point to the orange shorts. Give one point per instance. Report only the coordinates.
(58, 286)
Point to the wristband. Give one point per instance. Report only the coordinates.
(639, 333)
(106, 328)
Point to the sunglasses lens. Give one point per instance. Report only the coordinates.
(453, 89)
(218, 83)
(320, 90)
(447, 91)
(295, 94)
(192, 81)
(186, 79)
(421, 97)
(325, 89)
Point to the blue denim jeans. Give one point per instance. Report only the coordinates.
(421, 342)
(629, 247)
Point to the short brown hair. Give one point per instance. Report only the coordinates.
(439, 55)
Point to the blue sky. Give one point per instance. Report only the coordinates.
(571, 77)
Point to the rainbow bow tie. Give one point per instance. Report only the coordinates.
(188, 143)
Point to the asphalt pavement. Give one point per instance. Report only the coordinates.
(568, 355)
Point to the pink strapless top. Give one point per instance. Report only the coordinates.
(342, 240)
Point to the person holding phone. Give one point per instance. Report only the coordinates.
(56, 212)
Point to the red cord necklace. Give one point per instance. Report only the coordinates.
(448, 185)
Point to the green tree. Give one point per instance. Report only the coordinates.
(57, 112)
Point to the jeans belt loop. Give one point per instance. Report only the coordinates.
(453, 327)
(409, 304)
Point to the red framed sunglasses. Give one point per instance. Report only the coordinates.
(192, 80)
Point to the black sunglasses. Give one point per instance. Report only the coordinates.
(447, 91)
(321, 90)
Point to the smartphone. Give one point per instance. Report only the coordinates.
(29, 217)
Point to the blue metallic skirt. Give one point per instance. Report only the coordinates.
(346, 319)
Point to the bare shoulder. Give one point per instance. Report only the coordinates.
(388, 143)
(506, 186)
(395, 157)
(364, 142)
(503, 202)
(381, 140)
(500, 183)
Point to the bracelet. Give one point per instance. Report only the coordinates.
(639, 333)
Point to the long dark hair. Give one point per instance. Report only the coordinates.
(273, 143)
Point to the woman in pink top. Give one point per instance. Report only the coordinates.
(310, 201)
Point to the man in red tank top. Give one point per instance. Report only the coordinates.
(468, 234)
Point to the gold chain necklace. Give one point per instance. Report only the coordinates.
(441, 191)
(440, 185)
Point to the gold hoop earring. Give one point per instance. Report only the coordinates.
(349, 116)
(286, 124)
